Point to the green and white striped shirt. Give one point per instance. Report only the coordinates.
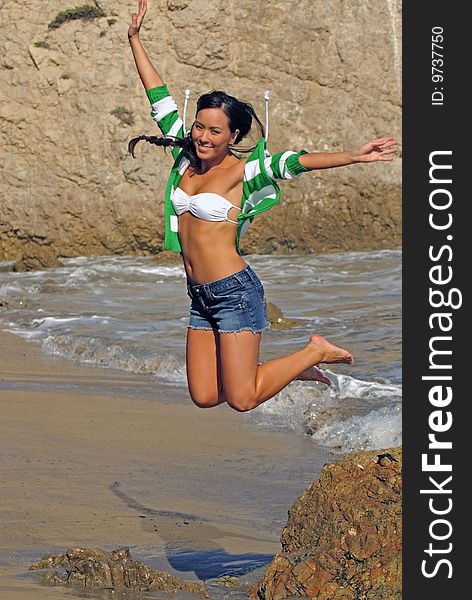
(261, 173)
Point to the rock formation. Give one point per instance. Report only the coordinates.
(95, 568)
(277, 319)
(70, 100)
(342, 540)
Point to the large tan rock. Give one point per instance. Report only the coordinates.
(343, 536)
(70, 100)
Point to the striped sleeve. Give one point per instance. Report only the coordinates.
(164, 113)
(285, 165)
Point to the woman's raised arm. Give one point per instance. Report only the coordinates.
(148, 74)
(374, 150)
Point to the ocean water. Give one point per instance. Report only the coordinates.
(129, 313)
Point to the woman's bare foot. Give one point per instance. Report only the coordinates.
(313, 374)
(326, 352)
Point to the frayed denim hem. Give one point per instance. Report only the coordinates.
(228, 330)
(243, 329)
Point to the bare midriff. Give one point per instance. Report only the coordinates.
(209, 248)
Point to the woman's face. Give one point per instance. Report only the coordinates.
(211, 133)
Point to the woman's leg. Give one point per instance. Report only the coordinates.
(203, 368)
(313, 374)
(247, 384)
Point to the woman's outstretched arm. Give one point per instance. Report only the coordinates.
(148, 74)
(374, 150)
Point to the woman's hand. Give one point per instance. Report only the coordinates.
(381, 149)
(137, 19)
(147, 73)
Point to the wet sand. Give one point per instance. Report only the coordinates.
(84, 462)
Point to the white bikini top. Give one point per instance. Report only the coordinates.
(206, 205)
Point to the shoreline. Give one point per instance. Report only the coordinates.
(84, 464)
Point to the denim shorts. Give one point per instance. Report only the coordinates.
(235, 303)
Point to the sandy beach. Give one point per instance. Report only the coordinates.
(84, 462)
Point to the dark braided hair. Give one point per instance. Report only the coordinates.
(152, 139)
(240, 116)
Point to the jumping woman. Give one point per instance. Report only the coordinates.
(212, 196)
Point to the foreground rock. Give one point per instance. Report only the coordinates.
(86, 567)
(277, 319)
(342, 540)
(70, 100)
